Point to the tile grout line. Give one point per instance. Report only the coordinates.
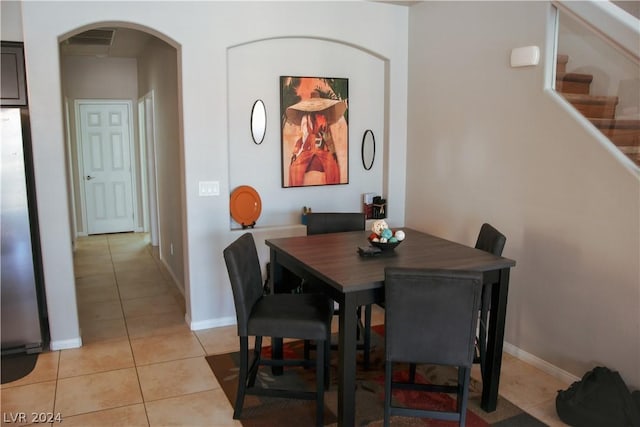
(55, 389)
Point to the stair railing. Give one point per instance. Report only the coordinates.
(597, 71)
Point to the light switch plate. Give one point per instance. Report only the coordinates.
(208, 188)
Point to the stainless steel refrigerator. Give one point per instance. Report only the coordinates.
(24, 313)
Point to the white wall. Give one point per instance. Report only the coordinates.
(203, 35)
(487, 143)
(10, 21)
(158, 72)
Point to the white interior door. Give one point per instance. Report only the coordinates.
(105, 139)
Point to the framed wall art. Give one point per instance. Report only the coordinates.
(315, 131)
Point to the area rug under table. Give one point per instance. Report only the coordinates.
(269, 411)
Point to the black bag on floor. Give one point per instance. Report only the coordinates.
(601, 398)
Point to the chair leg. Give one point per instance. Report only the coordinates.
(320, 380)
(242, 377)
(307, 350)
(367, 335)
(482, 334)
(257, 354)
(460, 389)
(327, 361)
(388, 372)
(412, 372)
(463, 394)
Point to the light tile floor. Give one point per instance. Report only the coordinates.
(140, 365)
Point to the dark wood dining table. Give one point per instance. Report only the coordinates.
(332, 262)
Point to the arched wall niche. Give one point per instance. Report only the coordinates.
(261, 62)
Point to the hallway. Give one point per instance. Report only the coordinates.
(140, 365)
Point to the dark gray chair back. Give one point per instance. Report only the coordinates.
(490, 240)
(334, 222)
(243, 266)
(431, 315)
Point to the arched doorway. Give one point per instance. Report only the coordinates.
(134, 69)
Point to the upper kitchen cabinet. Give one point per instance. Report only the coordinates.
(14, 86)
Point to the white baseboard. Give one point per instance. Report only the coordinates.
(65, 344)
(210, 323)
(541, 364)
(175, 280)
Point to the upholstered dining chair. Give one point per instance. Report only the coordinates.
(301, 316)
(334, 222)
(445, 305)
(338, 222)
(492, 241)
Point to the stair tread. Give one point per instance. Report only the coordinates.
(616, 123)
(590, 99)
(624, 133)
(574, 77)
(629, 149)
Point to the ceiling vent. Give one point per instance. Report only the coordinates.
(97, 37)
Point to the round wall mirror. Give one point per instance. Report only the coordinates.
(368, 149)
(258, 121)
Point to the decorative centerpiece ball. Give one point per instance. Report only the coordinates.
(384, 237)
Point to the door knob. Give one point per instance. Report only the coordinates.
(89, 177)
